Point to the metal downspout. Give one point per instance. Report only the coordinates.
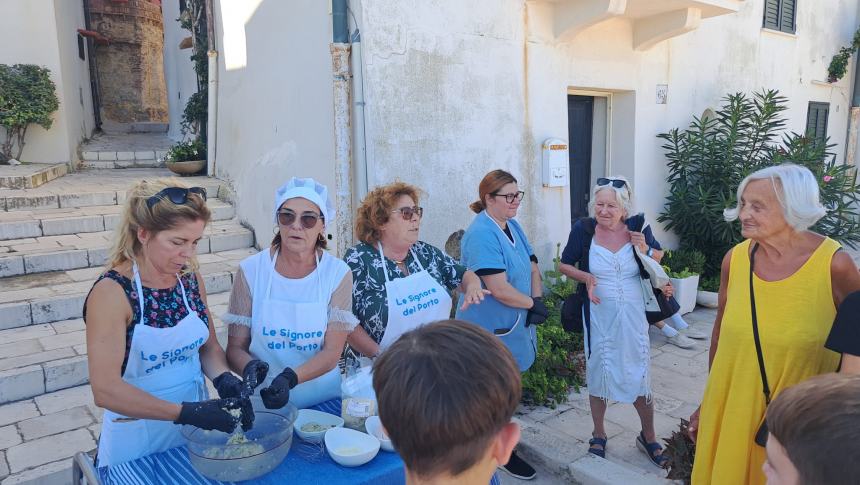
(359, 149)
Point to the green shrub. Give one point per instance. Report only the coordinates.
(560, 362)
(682, 263)
(27, 96)
(710, 283)
(708, 160)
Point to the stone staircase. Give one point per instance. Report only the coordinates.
(127, 150)
(54, 240)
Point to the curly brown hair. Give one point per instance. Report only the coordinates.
(375, 209)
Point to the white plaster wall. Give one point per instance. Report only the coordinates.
(78, 106)
(275, 115)
(445, 93)
(178, 69)
(29, 35)
(455, 89)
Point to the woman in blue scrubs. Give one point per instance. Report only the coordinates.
(497, 250)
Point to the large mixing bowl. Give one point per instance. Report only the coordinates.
(267, 444)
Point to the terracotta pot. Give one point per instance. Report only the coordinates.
(186, 168)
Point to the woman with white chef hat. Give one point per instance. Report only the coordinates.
(290, 308)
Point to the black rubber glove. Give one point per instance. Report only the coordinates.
(228, 385)
(277, 395)
(537, 313)
(253, 375)
(213, 414)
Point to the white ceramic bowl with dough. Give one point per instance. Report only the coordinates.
(307, 416)
(374, 428)
(349, 447)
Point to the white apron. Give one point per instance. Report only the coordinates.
(286, 333)
(412, 301)
(165, 362)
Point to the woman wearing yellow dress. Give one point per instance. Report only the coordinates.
(799, 279)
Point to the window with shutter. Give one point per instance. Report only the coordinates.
(816, 120)
(780, 15)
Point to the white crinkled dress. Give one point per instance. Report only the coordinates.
(617, 344)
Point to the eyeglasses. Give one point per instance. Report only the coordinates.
(408, 212)
(510, 198)
(617, 183)
(308, 219)
(177, 195)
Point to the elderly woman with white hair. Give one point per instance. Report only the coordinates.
(616, 328)
(779, 290)
(290, 309)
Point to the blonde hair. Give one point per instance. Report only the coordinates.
(623, 196)
(163, 216)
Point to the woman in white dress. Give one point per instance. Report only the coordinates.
(616, 331)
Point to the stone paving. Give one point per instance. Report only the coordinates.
(120, 142)
(557, 438)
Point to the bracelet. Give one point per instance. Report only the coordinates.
(650, 252)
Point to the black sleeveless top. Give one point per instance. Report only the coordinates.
(164, 307)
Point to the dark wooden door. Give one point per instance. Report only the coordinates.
(580, 120)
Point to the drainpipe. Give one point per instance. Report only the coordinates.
(359, 150)
(212, 100)
(340, 55)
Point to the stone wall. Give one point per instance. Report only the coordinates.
(131, 67)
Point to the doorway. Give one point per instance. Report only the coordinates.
(580, 126)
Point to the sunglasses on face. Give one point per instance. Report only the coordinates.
(177, 195)
(617, 183)
(308, 219)
(408, 212)
(510, 198)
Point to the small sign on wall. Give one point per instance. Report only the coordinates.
(662, 93)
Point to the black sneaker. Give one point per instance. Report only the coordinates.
(518, 468)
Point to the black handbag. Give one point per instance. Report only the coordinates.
(571, 313)
(761, 434)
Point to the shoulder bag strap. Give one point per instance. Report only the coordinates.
(764, 384)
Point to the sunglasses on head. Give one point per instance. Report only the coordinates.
(510, 198)
(617, 183)
(408, 212)
(177, 195)
(308, 219)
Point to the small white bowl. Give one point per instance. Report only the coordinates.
(349, 447)
(313, 416)
(374, 428)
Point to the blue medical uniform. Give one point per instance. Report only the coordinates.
(486, 246)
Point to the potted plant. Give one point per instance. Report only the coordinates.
(708, 294)
(684, 267)
(186, 157)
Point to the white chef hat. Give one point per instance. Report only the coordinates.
(306, 188)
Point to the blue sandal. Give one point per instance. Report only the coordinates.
(601, 452)
(650, 449)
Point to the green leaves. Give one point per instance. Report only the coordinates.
(708, 160)
(560, 363)
(187, 150)
(839, 64)
(27, 96)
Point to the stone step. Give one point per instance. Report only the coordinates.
(74, 220)
(50, 297)
(34, 255)
(88, 188)
(134, 163)
(30, 175)
(40, 359)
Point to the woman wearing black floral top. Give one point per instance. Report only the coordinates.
(399, 283)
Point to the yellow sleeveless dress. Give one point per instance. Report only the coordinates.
(794, 318)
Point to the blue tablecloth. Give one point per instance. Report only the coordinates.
(304, 464)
